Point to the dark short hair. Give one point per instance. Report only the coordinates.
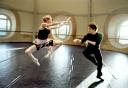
(93, 26)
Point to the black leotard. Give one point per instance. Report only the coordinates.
(43, 33)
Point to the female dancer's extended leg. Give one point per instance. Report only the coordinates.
(29, 52)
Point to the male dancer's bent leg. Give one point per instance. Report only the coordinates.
(87, 54)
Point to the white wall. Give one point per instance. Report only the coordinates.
(78, 8)
(26, 5)
(30, 12)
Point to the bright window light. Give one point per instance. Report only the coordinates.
(62, 32)
(4, 25)
(123, 33)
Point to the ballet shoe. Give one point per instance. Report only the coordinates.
(99, 75)
(36, 62)
(48, 54)
(95, 63)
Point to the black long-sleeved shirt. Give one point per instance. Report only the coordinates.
(93, 37)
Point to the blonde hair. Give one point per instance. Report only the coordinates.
(46, 17)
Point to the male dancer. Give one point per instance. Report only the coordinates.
(92, 51)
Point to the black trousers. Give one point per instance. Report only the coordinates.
(95, 56)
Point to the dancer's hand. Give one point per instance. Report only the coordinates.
(86, 43)
(66, 21)
(77, 41)
(69, 18)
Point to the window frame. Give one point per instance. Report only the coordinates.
(11, 16)
(113, 30)
(55, 33)
(6, 29)
(119, 29)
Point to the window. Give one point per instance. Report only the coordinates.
(4, 25)
(7, 23)
(123, 33)
(118, 31)
(62, 32)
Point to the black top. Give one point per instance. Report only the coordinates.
(43, 33)
(93, 37)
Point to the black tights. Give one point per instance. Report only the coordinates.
(96, 58)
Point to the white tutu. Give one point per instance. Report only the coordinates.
(39, 41)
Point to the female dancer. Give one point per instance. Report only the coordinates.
(42, 37)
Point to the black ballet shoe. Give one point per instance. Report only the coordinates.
(101, 79)
(99, 75)
(96, 64)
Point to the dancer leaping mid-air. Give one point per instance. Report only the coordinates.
(42, 38)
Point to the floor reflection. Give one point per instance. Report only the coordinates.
(65, 68)
(60, 67)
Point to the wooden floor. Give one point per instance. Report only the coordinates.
(65, 68)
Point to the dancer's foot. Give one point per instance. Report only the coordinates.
(99, 74)
(48, 54)
(95, 63)
(101, 79)
(36, 62)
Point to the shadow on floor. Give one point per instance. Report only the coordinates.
(95, 84)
